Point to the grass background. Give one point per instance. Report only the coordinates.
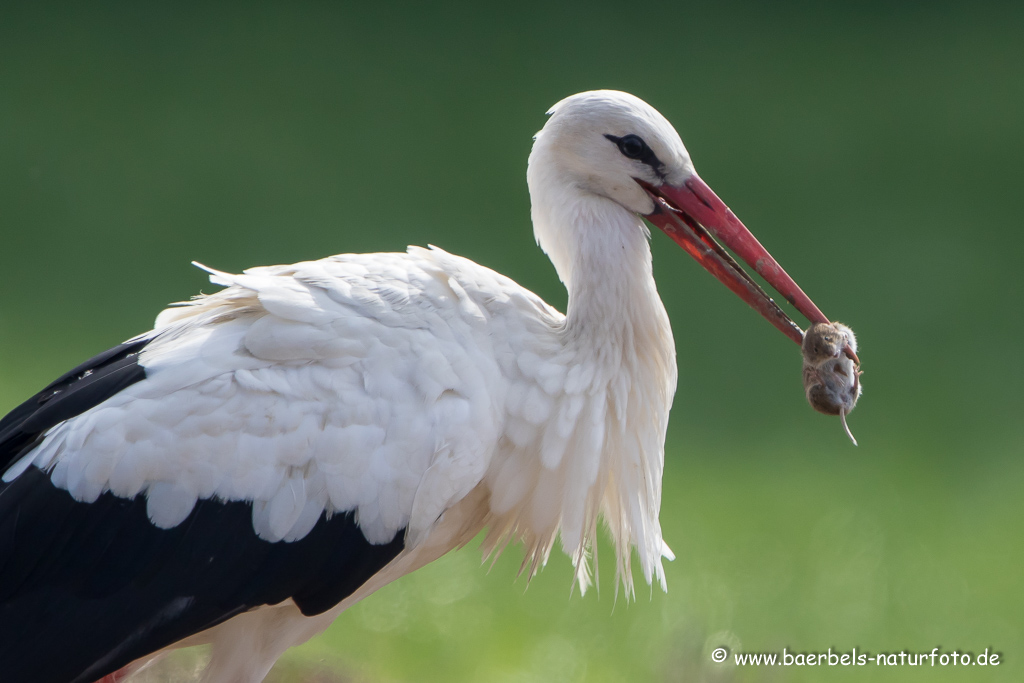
(875, 149)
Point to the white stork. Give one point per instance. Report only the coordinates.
(272, 453)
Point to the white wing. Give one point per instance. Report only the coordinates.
(358, 382)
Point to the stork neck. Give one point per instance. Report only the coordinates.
(612, 408)
(602, 255)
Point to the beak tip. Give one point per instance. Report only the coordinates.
(851, 355)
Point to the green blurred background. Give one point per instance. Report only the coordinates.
(876, 150)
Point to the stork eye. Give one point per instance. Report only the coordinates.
(632, 146)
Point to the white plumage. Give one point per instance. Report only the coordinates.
(426, 393)
(392, 384)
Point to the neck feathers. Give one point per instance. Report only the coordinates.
(597, 447)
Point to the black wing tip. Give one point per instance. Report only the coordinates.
(73, 393)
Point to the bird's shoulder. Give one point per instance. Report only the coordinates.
(401, 289)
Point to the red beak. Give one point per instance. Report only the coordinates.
(693, 216)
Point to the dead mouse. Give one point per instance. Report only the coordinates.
(831, 378)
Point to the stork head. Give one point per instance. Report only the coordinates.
(613, 146)
(603, 141)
